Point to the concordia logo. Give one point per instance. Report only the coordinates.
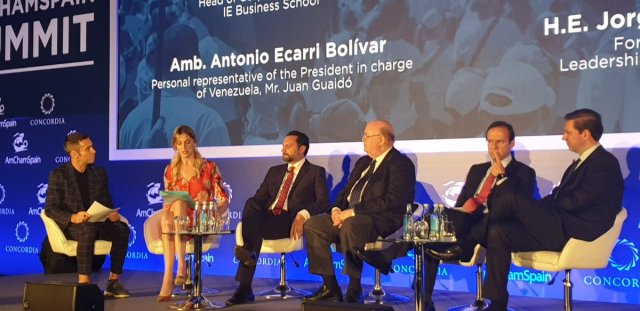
(5, 210)
(22, 232)
(630, 256)
(1, 194)
(47, 103)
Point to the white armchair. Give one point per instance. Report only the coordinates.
(282, 247)
(60, 244)
(576, 254)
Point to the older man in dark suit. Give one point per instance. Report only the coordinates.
(583, 206)
(370, 205)
(73, 187)
(473, 203)
(289, 195)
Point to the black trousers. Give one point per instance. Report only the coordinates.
(517, 224)
(320, 233)
(88, 232)
(471, 229)
(258, 224)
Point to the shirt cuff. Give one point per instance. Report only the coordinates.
(305, 214)
(335, 208)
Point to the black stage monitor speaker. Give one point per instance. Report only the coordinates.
(46, 296)
(341, 306)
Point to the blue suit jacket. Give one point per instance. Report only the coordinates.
(589, 199)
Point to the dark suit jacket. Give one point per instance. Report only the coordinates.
(521, 179)
(589, 199)
(386, 195)
(309, 190)
(63, 194)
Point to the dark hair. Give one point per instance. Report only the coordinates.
(301, 138)
(512, 133)
(72, 140)
(586, 119)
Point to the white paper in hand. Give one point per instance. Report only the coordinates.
(99, 212)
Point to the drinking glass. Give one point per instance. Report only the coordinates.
(421, 230)
(184, 223)
(448, 231)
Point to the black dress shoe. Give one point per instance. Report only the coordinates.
(241, 296)
(245, 256)
(373, 258)
(324, 293)
(453, 253)
(354, 295)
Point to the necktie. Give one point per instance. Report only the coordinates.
(472, 204)
(570, 170)
(356, 192)
(284, 192)
(574, 166)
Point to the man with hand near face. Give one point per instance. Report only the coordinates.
(289, 195)
(73, 187)
(584, 206)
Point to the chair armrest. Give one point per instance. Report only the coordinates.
(55, 234)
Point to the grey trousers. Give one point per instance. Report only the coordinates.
(319, 233)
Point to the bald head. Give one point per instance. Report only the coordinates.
(378, 137)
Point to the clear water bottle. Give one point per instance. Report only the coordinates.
(204, 215)
(407, 224)
(434, 224)
(211, 221)
(196, 216)
(443, 220)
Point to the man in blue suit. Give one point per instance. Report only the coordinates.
(583, 206)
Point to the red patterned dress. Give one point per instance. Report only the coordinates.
(210, 181)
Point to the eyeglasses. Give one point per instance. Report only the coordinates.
(365, 136)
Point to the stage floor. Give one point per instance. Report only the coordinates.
(144, 287)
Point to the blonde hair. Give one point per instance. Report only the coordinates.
(176, 161)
